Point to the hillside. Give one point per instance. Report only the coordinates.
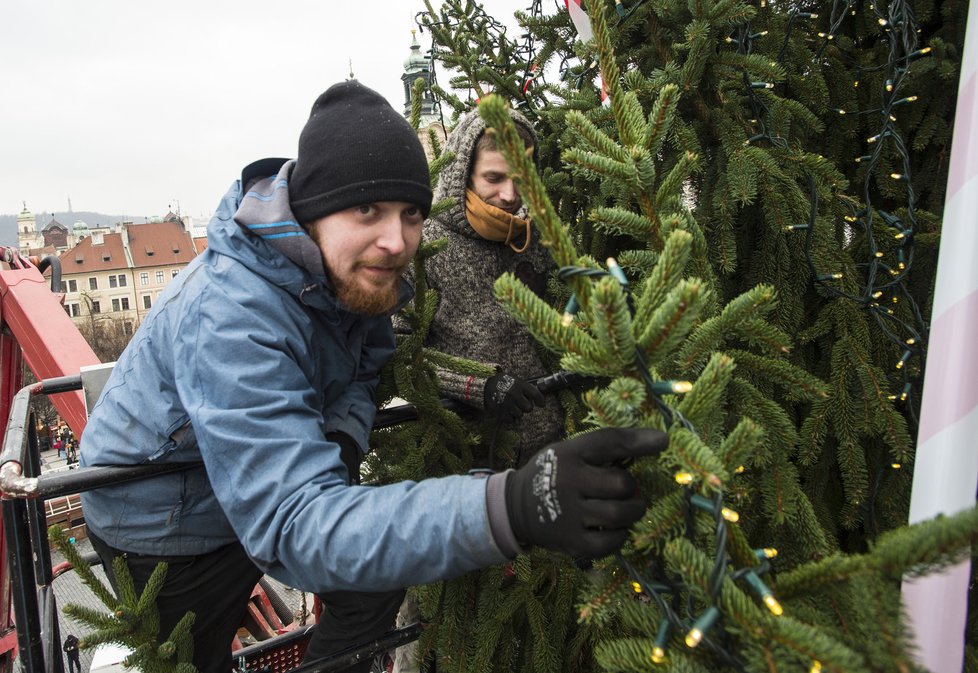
(8, 223)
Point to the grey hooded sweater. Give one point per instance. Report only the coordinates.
(470, 322)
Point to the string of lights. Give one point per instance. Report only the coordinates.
(680, 612)
(492, 43)
(887, 239)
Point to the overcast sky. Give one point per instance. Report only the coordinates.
(131, 107)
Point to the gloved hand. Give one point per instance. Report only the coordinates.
(508, 398)
(576, 496)
(349, 454)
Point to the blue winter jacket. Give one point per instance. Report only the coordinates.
(246, 362)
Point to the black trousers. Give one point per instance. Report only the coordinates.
(216, 587)
(352, 618)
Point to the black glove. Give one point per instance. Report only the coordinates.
(508, 398)
(576, 496)
(349, 454)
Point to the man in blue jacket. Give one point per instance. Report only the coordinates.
(261, 360)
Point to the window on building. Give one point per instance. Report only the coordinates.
(174, 272)
(120, 304)
(113, 281)
(144, 278)
(73, 309)
(93, 283)
(117, 280)
(127, 326)
(122, 280)
(96, 306)
(70, 285)
(159, 276)
(147, 301)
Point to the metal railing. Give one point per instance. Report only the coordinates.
(24, 491)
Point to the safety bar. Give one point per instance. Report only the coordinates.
(15, 455)
(13, 483)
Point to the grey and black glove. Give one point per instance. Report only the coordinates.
(508, 398)
(576, 496)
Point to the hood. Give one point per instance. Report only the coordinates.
(257, 229)
(453, 179)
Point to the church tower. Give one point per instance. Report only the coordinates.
(415, 66)
(28, 241)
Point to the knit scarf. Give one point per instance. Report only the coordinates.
(495, 224)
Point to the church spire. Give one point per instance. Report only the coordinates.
(415, 66)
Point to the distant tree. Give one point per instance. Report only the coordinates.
(44, 412)
(107, 335)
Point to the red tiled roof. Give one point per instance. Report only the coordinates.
(159, 244)
(200, 244)
(46, 251)
(87, 257)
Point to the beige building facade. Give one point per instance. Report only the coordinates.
(120, 275)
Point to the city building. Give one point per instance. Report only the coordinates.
(29, 241)
(120, 274)
(56, 236)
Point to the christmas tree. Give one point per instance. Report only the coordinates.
(744, 202)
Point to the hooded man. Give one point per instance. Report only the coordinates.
(489, 234)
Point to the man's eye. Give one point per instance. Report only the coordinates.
(365, 209)
(413, 211)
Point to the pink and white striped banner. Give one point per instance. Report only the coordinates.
(582, 22)
(946, 467)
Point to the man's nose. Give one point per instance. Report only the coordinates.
(390, 236)
(507, 192)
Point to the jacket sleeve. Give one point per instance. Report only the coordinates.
(353, 414)
(281, 483)
(465, 388)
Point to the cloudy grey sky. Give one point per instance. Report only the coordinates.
(130, 107)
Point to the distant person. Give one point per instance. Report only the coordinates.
(71, 651)
(261, 359)
(72, 454)
(43, 436)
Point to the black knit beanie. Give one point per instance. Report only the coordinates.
(356, 149)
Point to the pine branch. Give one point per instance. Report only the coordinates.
(915, 550)
(134, 619)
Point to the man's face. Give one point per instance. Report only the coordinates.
(491, 182)
(366, 249)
